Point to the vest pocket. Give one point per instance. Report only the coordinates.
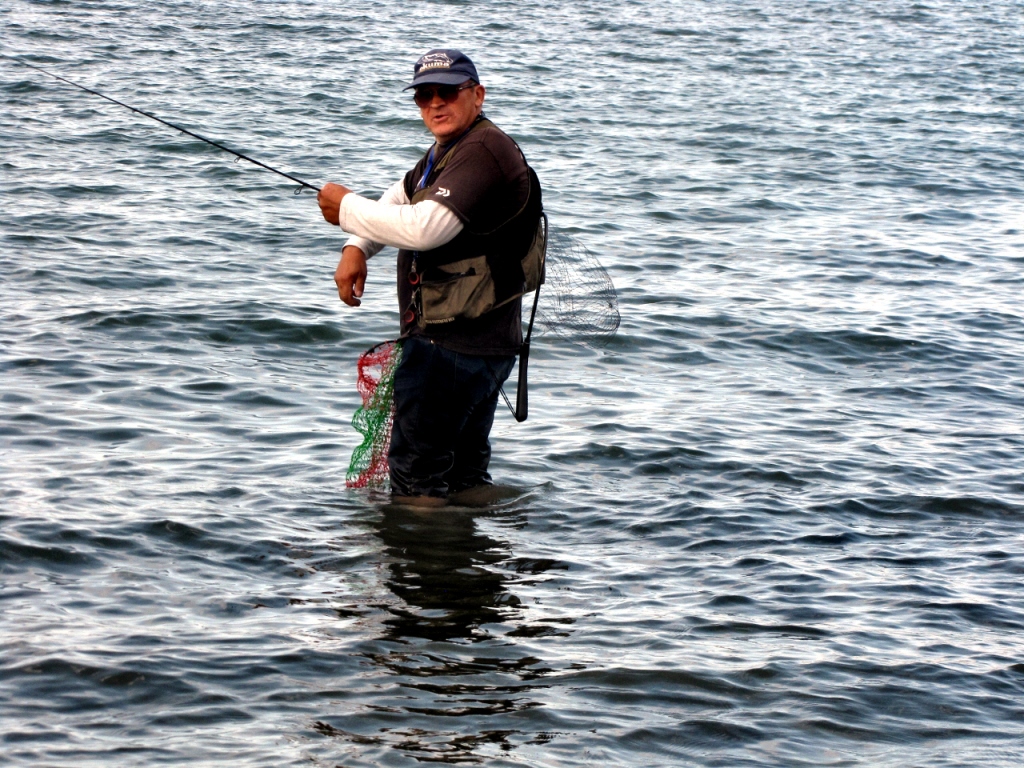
(461, 289)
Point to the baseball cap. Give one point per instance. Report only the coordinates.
(445, 66)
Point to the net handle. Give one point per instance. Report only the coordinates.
(522, 408)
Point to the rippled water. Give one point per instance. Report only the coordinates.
(778, 521)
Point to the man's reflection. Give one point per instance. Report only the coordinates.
(455, 673)
(444, 570)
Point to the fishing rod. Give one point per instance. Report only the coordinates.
(144, 113)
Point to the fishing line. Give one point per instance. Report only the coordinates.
(302, 184)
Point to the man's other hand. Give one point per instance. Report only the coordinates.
(350, 276)
(329, 199)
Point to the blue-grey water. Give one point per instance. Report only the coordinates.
(778, 521)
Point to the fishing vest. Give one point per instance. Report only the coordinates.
(479, 271)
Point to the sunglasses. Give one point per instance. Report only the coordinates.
(424, 95)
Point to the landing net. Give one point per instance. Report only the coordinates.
(578, 300)
(376, 382)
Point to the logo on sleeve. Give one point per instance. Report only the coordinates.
(443, 192)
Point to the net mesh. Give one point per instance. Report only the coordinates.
(376, 382)
(578, 300)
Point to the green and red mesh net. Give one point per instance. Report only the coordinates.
(376, 381)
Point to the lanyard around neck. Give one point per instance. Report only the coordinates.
(429, 168)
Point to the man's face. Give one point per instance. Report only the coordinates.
(447, 120)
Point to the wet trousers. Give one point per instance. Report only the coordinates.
(444, 409)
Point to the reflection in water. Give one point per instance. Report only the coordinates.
(443, 569)
(448, 648)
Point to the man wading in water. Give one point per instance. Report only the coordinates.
(463, 218)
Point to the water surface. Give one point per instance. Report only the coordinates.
(777, 521)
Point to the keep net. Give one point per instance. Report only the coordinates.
(376, 382)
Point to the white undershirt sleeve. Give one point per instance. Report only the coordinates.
(393, 221)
